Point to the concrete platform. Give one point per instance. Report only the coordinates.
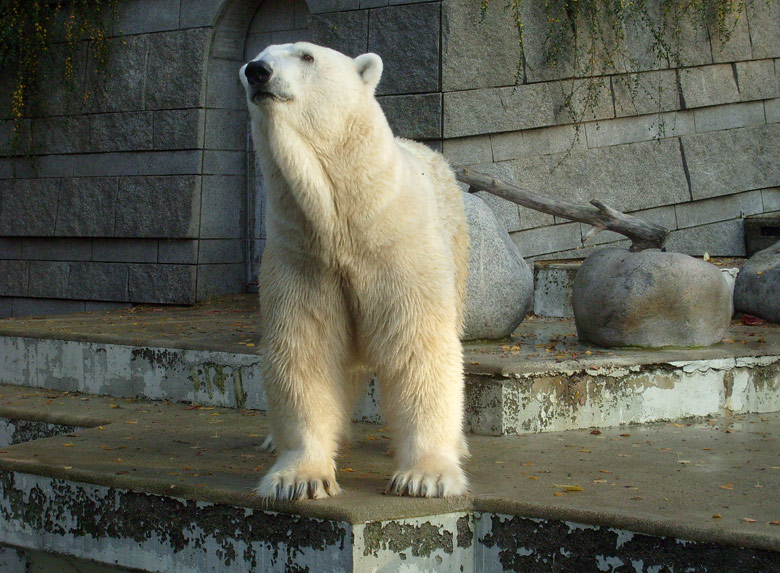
(167, 487)
(540, 379)
(91, 469)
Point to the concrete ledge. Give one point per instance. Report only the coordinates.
(540, 379)
(165, 487)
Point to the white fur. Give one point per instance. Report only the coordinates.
(364, 270)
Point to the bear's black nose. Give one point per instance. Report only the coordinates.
(258, 72)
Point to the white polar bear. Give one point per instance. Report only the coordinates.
(364, 270)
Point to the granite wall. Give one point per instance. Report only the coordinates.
(141, 187)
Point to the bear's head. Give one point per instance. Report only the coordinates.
(310, 85)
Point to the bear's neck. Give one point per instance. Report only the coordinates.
(338, 178)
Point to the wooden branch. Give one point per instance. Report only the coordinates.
(643, 235)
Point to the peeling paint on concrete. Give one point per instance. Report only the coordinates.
(606, 396)
(213, 378)
(432, 543)
(161, 533)
(20, 431)
(511, 403)
(513, 543)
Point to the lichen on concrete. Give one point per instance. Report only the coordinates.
(20, 431)
(213, 378)
(420, 539)
(126, 526)
(527, 544)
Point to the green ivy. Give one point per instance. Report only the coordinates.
(29, 29)
(586, 39)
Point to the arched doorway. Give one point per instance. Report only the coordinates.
(274, 22)
(231, 219)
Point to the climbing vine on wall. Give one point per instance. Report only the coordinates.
(587, 39)
(29, 29)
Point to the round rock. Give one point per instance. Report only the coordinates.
(757, 289)
(500, 286)
(650, 299)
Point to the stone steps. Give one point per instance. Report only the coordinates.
(542, 379)
(157, 486)
(95, 464)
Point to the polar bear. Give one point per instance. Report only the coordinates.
(364, 271)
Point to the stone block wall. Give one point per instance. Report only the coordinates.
(141, 187)
(694, 149)
(107, 207)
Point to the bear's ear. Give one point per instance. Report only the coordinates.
(369, 66)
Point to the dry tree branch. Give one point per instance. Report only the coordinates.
(643, 235)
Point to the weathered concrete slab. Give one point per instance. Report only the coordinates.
(166, 487)
(539, 379)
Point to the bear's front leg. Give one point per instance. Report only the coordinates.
(304, 347)
(421, 383)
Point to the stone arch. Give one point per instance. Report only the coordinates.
(231, 231)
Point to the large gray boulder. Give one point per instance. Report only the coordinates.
(500, 287)
(757, 289)
(650, 299)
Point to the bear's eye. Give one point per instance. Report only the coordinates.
(307, 57)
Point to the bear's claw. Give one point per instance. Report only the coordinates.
(268, 444)
(277, 487)
(417, 483)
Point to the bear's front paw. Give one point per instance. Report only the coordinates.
(445, 481)
(294, 483)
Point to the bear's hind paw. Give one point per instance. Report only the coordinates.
(268, 444)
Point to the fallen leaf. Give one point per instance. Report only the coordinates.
(348, 470)
(533, 477)
(624, 435)
(595, 432)
(557, 494)
(748, 520)
(67, 467)
(567, 488)
(68, 445)
(727, 486)
(774, 523)
(717, 516)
